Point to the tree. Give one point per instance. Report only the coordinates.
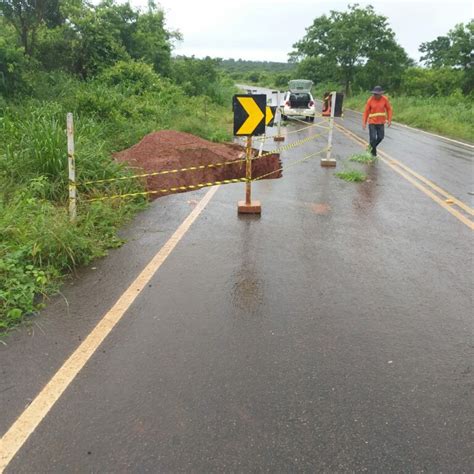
(26, 16)
(151, 41)
(318, 69)
(452, 50)
(352, 41)
(12, 61)
(97, 39)
(420, 81)
(281, 80)
(196, 76)
(85, 39)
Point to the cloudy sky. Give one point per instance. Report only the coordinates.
(267, 29)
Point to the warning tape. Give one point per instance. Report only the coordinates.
(290, 146)
(162, 191)
(309, 126)
(208, 184)
(265, 137)
(158, 173)
(192, 168)
(293, 163)
(201, 167)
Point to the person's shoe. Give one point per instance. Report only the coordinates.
(373, 152)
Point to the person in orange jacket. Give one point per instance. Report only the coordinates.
(377, 111)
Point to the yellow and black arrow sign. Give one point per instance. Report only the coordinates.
(249, 114)
(270, 115)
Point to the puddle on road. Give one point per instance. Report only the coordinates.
(320, 208)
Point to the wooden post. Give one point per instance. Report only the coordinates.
(248, 206)
(71, 168)
(328, 161)
(248, 171)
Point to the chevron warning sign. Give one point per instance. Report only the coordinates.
(249, 114)
(270, 115)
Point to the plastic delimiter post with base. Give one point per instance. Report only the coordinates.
(328, 161)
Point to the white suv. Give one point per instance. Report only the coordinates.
(298, 101)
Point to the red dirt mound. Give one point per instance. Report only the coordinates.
(169, 150)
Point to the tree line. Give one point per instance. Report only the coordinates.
(352, 49)
(357, 49)
(84, 40)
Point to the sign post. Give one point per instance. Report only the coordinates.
(250, 116)
(248, 172)
(328, 161)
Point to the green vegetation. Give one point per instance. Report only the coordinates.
(356, 49)
(266, 73)
(111, 66)
(352, 47)
(351, 175)
(364, 157)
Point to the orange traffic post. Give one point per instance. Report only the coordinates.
(248, 206)
(328, 161)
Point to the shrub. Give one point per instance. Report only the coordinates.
(132, 77)
(432, 82)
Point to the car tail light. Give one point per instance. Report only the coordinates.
(311, 103)
(287, 103)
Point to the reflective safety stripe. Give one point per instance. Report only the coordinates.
(378, 114)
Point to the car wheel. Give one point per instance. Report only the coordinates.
(311, 119)
(284, 117)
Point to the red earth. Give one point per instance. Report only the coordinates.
(171, 150)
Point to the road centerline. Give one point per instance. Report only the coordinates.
(424, 184)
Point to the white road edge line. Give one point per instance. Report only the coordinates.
(27, 422)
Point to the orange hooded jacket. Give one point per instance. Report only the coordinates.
(377, 111)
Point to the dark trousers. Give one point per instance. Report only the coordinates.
(376, 134)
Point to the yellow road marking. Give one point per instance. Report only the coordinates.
(432, 185)
(433, 196)
(405, 172)
(27, 422)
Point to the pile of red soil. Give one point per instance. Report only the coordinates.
(169, 150)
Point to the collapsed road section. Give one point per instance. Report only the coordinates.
(172, 162)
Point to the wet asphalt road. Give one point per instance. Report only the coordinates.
(332, 334)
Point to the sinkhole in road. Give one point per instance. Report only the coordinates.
(172, 150)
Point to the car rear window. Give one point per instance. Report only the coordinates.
(300, 96)
(299, 99)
